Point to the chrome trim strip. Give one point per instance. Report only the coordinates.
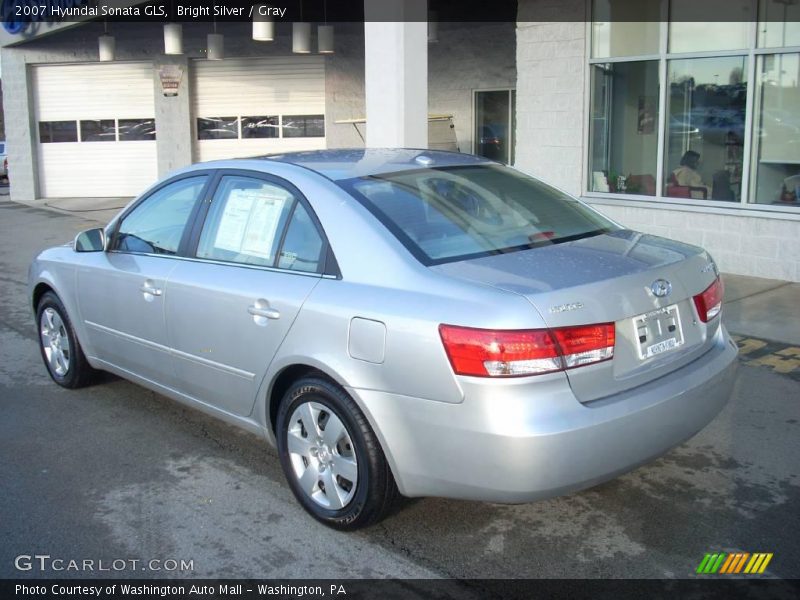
(228, 264)
(173, 351)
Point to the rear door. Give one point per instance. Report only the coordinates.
(121, 292)
(256, 258)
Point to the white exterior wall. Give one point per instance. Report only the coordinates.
(551, 65)
(552, 105)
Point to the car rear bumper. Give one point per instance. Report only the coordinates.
(526, 439)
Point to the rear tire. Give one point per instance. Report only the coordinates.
(331, 457)
(59, 346)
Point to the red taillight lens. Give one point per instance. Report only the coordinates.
(585, 344)
(709, 302)
(490, 353)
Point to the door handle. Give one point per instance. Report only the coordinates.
(263, 311)
(149, 289)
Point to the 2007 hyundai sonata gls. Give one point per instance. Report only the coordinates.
(396, 320)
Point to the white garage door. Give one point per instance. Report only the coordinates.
(247, 107)
(96, 129)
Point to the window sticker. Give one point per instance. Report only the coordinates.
(250, 221)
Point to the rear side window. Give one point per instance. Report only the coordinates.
(454, 213)
(245, 221)
(157, 224)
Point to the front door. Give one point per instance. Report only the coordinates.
(121, 292)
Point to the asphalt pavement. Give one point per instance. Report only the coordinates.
(116, 472)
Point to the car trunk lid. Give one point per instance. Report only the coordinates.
(614, 277)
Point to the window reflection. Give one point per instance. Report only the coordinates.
(705, 135)
(217, 128)
(624, 128)
(777, 138)
(779, 23)
(625, 27)
(709, 25)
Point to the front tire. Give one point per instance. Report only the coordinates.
(331, 457)
(59, 346)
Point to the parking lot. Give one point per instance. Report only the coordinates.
(117, 472)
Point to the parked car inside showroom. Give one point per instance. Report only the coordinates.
(396, 321)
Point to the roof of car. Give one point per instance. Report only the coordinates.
(361, 162)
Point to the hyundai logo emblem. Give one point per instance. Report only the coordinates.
(661, 288)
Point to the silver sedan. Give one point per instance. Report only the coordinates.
(396, 321)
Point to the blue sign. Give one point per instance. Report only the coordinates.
(17, 15)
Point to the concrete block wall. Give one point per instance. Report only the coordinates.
(551, 66)
(760, 246)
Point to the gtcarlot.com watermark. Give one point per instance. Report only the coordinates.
(44, 563)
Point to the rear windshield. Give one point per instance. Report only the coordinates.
(453, 213)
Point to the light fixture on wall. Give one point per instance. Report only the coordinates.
(325, 33)
(215, 44)
(106, 45)
(301, 35)
(173, 38)
(433, 27)
(263, 24)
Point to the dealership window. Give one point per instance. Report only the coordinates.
(623, 130)
(776, 155)
(495, 114)
(695, 111)
(705, 133)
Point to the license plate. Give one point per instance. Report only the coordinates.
(658, 331)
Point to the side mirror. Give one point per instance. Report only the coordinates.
(91, 240)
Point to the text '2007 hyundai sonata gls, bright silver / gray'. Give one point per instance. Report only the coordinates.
(412, 321)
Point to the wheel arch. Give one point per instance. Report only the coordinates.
(39, 290)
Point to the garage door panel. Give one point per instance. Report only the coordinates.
(97, 91)
(103, 170)
(263, 87)
(92, 92)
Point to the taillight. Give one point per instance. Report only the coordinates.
(709, 302)
(509, 353)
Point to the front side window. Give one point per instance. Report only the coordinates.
(705, 136)
(157, 224)
(454, 213)
(245, 222)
